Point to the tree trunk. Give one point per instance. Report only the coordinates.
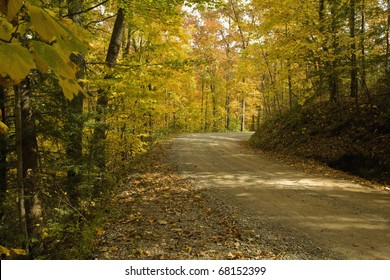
(100, 132)
(3, 154)
(215, 106)
(387, 62)
(202, 109)
(74, 124)
(116, 39)
(333, 75)
(30, 169)
(354, 69)
(290, 88)
(243, 113)
(19, 169)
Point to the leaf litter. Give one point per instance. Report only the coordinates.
(159, 215)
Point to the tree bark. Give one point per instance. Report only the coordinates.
(116, 39)
(19, 169)
(243, 115)
(354, 68)
(100, 132)
(3, 154)
(30, 169)
(387, 59)
(333, 75)
(74, 124)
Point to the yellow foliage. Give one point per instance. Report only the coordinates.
(3, 128)
(16, 63)
(19, 252)
(14, 7)
(4, 251)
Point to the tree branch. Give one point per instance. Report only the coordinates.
(87, 10)
(97, 21)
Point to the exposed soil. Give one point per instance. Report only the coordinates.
(206, 196)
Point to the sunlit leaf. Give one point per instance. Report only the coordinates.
(46, 27)
(16, 63)
(5, 29)
(69, 87)
(48, 57)
(99, 231)
(3, 128)
(14, 7)
(4, 251)
(19, 252)
(50, 29)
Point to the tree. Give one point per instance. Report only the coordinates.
(99, 136)
(74, 124)
(32, 38)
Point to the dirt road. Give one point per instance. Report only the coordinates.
(349, 220)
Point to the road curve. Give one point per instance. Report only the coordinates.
(347, 219)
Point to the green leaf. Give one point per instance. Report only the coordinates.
(50, 29)
(14, 7)
(16, 63)
(5, 29)
(4, 251)
(3, 128)
(46, 27)
(49, 57)
(69, 87)
(19, 252)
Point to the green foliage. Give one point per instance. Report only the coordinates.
(16, 63)
(43, 42)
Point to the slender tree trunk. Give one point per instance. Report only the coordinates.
(203, 118)
(227, 108)
(354, 68)
(100, 132)
(116, 39)
(322, 66)
(19, 168)
(290, 88)
(333, 75)
(30, 169)
(363, 41)
(387, 62)
(74, 125)
(215, 107)
(243, 115)
(363, 54)
(3, 154)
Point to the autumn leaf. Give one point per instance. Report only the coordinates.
(69, 87)
(16, 63)
(4, 251)
(99, 231)
(3, 128)
(49, 57)
(5, 29)
(14, 7)
(19, 252)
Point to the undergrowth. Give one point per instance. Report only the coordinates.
(343, 136)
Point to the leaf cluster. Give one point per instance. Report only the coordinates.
(33, 38)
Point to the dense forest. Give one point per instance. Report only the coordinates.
(87, 86)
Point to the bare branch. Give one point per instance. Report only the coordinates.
(87, 10)
(97, 21)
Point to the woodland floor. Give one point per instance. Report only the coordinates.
(162, 213)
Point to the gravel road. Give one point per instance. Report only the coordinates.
(344, 218)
